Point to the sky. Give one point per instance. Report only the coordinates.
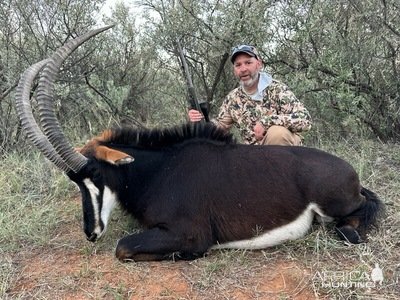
(109, 4)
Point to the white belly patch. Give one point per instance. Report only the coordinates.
(291, 231)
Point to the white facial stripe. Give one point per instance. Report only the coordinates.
(276, 236)
(94, 192)
(109, 200)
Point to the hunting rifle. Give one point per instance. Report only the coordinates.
(192, 96)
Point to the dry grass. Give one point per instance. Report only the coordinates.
(44, 255)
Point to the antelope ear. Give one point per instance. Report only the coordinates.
(112, 156)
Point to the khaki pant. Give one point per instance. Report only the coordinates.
(279, 135)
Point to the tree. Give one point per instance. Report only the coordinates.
(340, 57)
(344, 57)
(207, 31)
(29, 32)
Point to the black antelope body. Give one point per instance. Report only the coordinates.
(192, 187)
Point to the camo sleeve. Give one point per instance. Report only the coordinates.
(224, 118)
(290, 112)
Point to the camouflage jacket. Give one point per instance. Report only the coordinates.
(279, 106)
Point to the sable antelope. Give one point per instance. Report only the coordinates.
(192, 187)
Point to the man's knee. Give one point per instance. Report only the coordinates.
(279, 135)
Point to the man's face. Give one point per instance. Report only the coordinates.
(246, 69)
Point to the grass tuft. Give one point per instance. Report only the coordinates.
(34, 200)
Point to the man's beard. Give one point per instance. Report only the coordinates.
(249, 82)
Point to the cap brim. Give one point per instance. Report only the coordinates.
(241, 52)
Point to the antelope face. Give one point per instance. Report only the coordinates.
(98, 197)
(98, 200)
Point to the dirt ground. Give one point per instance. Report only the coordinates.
(68, 275)
(73, 269)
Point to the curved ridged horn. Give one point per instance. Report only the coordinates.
(45, 95)
(28, 122)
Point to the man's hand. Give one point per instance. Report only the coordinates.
(259, 131)
(195, 115)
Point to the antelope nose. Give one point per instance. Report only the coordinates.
(92, 237)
